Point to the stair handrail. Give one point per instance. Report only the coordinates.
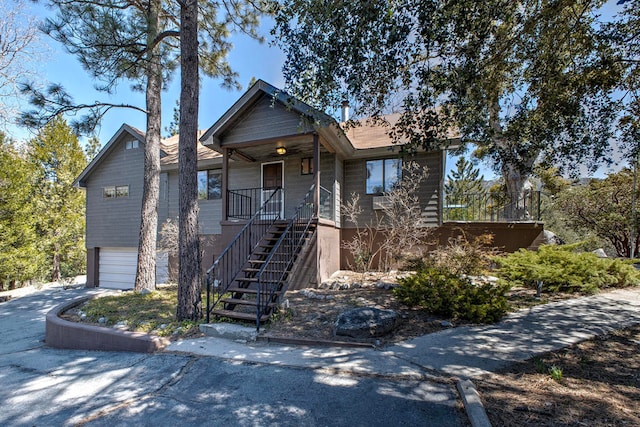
(231, 262)
(283, 254)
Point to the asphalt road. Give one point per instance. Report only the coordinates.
(42, 386)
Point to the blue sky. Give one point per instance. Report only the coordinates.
(248, 58)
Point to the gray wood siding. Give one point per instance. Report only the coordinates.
(210, 211)
(296, 185)
(262, 121)
(244, 175)
(429, 194)
(115, 222)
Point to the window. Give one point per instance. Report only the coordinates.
(209, 184)
(115, 191)
(382, 175)
(306, 166)
(130, 145)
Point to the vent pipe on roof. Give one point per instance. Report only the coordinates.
(345, 111)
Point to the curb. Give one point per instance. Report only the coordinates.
(472, 404)
(60, 333)
(312, 342)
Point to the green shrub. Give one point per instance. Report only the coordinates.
(562, 269)
(470, 255)
(441, 292)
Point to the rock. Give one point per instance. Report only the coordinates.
(145, 291)
(366, 322)
(177, 331)
(102, 320)
(344, 287)
(446, 324)
(121, 325)
(385, 285)
(550, 238)
(356, 285)
(600, 253)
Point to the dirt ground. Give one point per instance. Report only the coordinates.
(310, 313)
(600, 386)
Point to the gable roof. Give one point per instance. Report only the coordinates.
(124, 130)
(247, 100)
(366, 137)
(168, 152)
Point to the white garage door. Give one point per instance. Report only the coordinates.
(118, 267)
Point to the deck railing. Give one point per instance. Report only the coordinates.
(492, 207)
(231, 261)
(325, 208)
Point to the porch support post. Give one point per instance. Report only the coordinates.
(316, 175)
(225, 181)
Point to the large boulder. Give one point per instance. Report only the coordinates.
(366, 322)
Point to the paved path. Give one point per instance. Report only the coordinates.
(466, 351)
(42, 386)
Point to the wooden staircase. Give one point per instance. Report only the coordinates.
(240, 301)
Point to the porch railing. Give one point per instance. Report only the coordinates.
(492, 207)
(231, 261)
(279, 263)
(244, 203)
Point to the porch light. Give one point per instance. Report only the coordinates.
(281, 150)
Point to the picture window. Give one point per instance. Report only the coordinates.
(209, 184)
(383, 175)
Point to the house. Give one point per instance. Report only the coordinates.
(273, 174)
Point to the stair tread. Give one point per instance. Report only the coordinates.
(239, 301)
(237, 290)
(239, 315)
(254, 280)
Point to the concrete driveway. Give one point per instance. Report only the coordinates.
(42, 386)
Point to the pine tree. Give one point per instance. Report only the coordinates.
(465, 195)
(465, 179)
(58, 159)
(138, 41)
(21, 258)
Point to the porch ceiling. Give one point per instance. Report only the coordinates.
(261, 151)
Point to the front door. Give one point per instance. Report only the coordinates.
(273, 178)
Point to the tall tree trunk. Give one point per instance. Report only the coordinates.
(189, 297)
(55, 268)
(146, 272)
(516, 168)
